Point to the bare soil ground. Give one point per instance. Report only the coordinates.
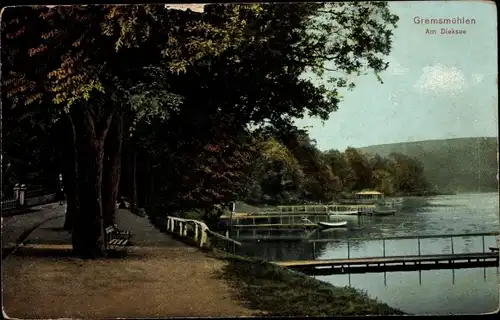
(157, 277)
(45, 282)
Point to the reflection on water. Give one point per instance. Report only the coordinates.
(461, 291)
(440, 291)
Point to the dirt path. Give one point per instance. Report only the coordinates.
(41, 280)
(149, 282)
(14, 226)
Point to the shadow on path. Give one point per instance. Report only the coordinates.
(17, 212)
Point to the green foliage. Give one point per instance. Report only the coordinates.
(452, 165)
(192, 84)
(327, 176)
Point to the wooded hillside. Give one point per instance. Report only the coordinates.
(452, 165)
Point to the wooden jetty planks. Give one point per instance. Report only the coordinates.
(274, 225)
(475, 263)
(387, 260)
(249, 217)
(303, 210)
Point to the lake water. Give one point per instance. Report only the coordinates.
(460, 291)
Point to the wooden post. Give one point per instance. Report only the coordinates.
(452, 249)
(314, 250)
(348, 250)
(22, 191)
(16, 192)
(233, 210)
(203, 237)
(483, 243)
(383, 246)
(418, 239)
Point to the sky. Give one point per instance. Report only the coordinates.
(436, 87)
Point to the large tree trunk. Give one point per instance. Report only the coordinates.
(88, 230)
(134, 180)
(112, 169)
(69, 173)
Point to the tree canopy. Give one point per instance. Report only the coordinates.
(194, 108)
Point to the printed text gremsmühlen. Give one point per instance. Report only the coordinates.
(457, 20)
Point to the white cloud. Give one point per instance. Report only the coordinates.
(440, 78)
(477, 78)
(396, 69)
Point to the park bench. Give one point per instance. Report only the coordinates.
(116, 238)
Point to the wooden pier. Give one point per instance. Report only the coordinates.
(417, 238)
(271, 234)
(395, 263)
(305, 210)
(323, 209)
(409, 262)
(276, 221)
(279, 221)
(296, 225)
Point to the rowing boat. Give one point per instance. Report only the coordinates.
(333, 224)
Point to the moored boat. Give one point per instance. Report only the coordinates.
(333, 224)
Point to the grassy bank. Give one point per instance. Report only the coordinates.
(281, 292)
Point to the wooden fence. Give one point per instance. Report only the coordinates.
(9, 204)
(199, 232)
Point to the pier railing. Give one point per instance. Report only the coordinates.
(200, 234)
(319, 209)
(305, 210)
(417, 238)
